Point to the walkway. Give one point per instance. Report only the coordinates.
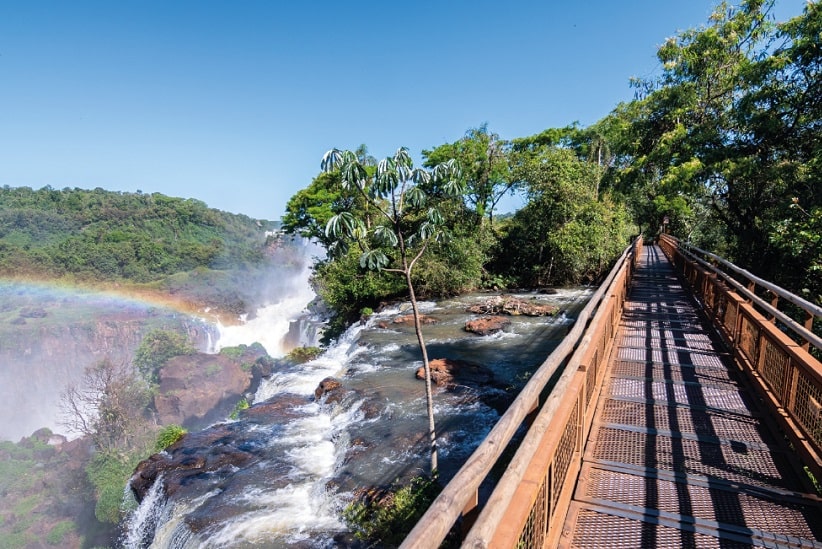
(680, 453)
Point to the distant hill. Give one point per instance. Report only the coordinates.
(104, 235)
(150, 242)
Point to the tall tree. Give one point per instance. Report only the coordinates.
(484, 170)
(406, 222)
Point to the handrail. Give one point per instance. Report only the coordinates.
(813, 311)
(460, 495)
(789, 377)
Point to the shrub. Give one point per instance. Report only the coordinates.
(301, 355)
(385, 520)
(168, 435)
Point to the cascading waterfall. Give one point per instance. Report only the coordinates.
(309, 461)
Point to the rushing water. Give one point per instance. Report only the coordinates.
(309, 461)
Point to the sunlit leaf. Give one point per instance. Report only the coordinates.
(415, 197)
(373, 260)
(331, 160)
(385, 236)
(340, 224)
(434, 216)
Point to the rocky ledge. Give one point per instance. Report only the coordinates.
(510, 305)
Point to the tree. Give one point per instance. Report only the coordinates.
(156, 348)
(108, 407)
(406, 222)
(483, 166)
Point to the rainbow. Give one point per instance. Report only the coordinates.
(109, 297)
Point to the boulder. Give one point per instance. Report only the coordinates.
(330, 390)
(449, 373)
(487, 325)
(198, 389)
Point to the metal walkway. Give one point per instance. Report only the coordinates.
(680, 453)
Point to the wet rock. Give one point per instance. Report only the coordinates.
(407, 320)
(210, 451)
(449, 373)
(282, 407)
(199, 389)
(330, 390)
(510, 305)
(487, 325)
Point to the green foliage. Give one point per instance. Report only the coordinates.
(387, 519)
(484, 169)
(241, 405)
(156, 348)
(109, 472)
(59, 531)
(346, 288)
(100, 235)
(168, 435)
(301, 355)
(566, 233)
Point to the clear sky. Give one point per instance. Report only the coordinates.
(235, 102)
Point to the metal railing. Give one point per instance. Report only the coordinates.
(767, 343)
(534, 490)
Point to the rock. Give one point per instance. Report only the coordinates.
(209, 451)
(448, 373)
(407, 320)
(282, 406)
(198, 389)
(487, 325)
(328, 388)
(510, 305)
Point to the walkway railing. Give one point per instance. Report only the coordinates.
(534, 490)
(767, 343)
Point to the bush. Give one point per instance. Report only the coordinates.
(301, 355)
(387, 518)
(168, 435)
(109, 472)
(241, 405)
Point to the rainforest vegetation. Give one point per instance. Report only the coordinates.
(724, 142)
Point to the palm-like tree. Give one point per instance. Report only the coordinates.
(406, 221)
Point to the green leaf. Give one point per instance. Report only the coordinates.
(341, 224)
(415, 197)
(373, 260)
(331, 160)
(385, 236)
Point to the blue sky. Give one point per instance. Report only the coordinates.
(235, 102)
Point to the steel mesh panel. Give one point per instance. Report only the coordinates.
(564, 453)
(774, 366)
(652, 331)
(693, 358)
(673, 372)
(749, 339)
(597, 530)
(684, 342)
(533, 533)
(708, 422)
(735, 462)
(729, 320)
(694, 395)
(808, 405)
(591, 379)
(737, 507)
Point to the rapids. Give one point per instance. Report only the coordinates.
(310, 460)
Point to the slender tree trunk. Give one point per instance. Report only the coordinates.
(429, 394)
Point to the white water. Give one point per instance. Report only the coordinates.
(300, 509)
(272, 322)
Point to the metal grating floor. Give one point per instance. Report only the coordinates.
(680, 454)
